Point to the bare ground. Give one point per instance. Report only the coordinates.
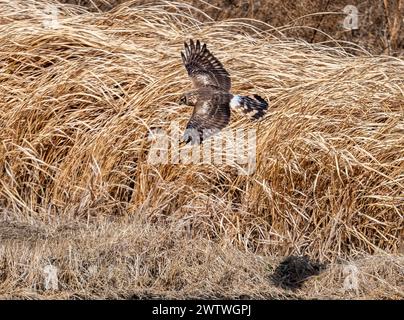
(321, 217)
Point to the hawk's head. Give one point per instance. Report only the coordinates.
(188, 98)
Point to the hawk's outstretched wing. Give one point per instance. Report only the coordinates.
(203, 68)
(209, 117)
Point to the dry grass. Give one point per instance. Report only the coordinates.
(76, 190)
(134, 258)
(380, 28)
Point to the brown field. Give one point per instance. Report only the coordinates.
(380, 24)
(77, 192)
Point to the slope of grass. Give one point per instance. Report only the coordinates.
(379, 30)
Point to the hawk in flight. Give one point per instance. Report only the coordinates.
(211, 97)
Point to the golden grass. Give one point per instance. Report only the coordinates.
(77, 103)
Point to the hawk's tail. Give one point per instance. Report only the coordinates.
(254, 106)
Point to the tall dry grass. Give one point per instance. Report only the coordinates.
(379, 22)
(77, 102)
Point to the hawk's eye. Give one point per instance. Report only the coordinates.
(183, 100)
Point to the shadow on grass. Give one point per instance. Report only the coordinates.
(293, 271)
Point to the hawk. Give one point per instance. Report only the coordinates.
(211, 97)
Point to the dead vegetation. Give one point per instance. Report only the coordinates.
(379, 29)
(77, 101)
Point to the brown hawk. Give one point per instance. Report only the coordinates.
(211, 97)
